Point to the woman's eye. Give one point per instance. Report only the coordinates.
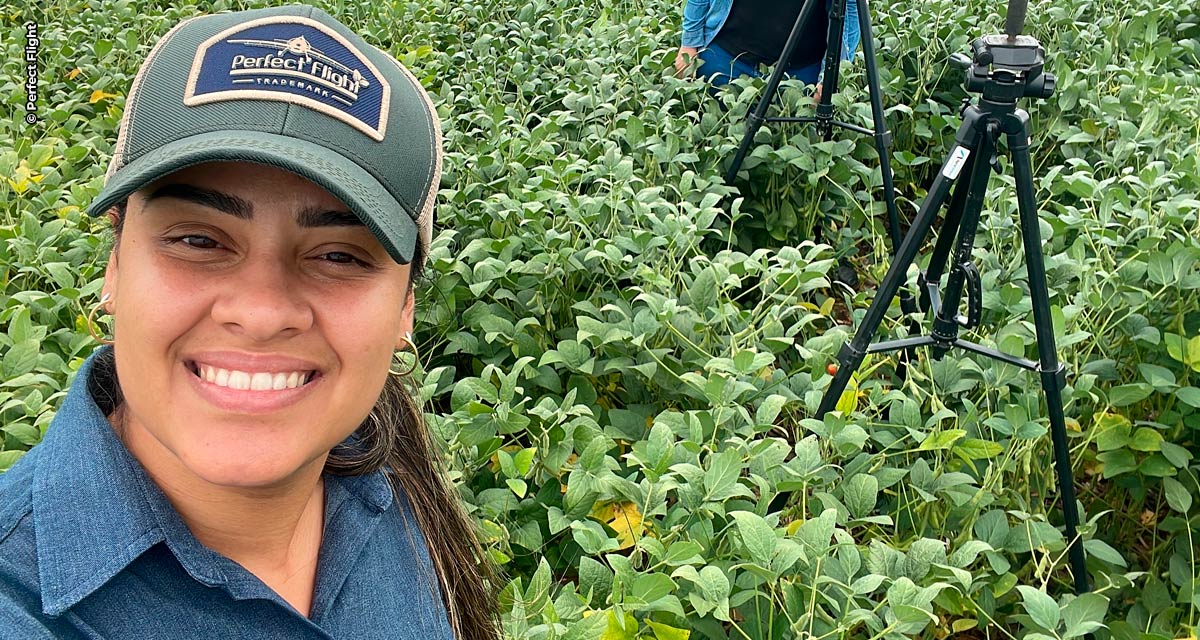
(341, 257)
(196, 241)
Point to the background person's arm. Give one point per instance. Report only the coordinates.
(695, 12)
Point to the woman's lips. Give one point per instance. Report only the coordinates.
(251, 380)
(248, 401)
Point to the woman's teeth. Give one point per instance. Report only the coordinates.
(258, 381)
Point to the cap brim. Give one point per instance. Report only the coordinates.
(390, 221)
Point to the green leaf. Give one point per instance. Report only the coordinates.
(757, 535)
(860, 493)
(942, 440)
(1034, 534)
(714, 583)
(1145, 439)
(1178, 497)
(1040, 606)
(9, 458)
(1128, 394)
(921, 557)
(594, 578)
(1156, 466)
(20, 359)
(1175, 454)
(1084, 615)
(721, 477)
(769, 409)
(649, 587)
(1117, 462)
(867, 584)
(703, 292)
(517, 486)
(816, 533)
(976, 449)
(1189, 395)
(1101, 550)
(1112, 431)
(684, 552)
(61, 273)
(1160, 378)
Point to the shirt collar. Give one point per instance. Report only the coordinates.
(95, 510)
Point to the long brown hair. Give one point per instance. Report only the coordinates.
(395, 438)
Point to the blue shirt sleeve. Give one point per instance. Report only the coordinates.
(695, 15)
(850, 35)
(850, 31)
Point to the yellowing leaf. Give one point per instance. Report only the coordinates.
(73, 73)
(623, 517)
(849, 400)
(620, 628)
(666, 632)
(23, 178)
(99, 95)
(494, 461)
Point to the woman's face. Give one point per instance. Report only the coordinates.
(254, 323)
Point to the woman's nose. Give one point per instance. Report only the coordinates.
(263, 300)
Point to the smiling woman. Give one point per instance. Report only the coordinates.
(239, 461)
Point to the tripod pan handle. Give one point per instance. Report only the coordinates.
(1014, 22)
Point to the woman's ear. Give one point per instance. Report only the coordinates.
(404, 340)
(112, 274)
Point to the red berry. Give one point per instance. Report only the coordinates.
(831, 369)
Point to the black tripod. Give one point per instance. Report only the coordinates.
(1003, 69)
(823, 119)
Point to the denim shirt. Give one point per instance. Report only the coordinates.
(702, 19)
(90, 547)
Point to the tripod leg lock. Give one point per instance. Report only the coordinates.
(1054, 379)
(848, 355)
(974, 287)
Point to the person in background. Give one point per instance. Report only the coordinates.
(732, 38)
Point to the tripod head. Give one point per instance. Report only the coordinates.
(1010, 66)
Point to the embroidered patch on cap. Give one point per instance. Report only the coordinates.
(291, 59)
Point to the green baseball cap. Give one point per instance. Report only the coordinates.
(292, 88)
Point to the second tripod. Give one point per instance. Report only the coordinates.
(1004, 68)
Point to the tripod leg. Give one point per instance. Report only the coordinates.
(946, 321)
(759, 116)
(1052, 373)
(883, 139)
(832, 68)
(853, 352)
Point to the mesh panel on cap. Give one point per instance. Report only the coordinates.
(118, 156)
(425, 217)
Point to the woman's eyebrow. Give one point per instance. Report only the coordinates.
(318, 217)
(242, 209)
(223, 202)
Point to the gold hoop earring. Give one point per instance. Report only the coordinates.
(91, 323)
(416, 358)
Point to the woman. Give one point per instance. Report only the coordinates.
(733, 37)
(241, 462)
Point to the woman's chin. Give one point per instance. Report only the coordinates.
(247, 471)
